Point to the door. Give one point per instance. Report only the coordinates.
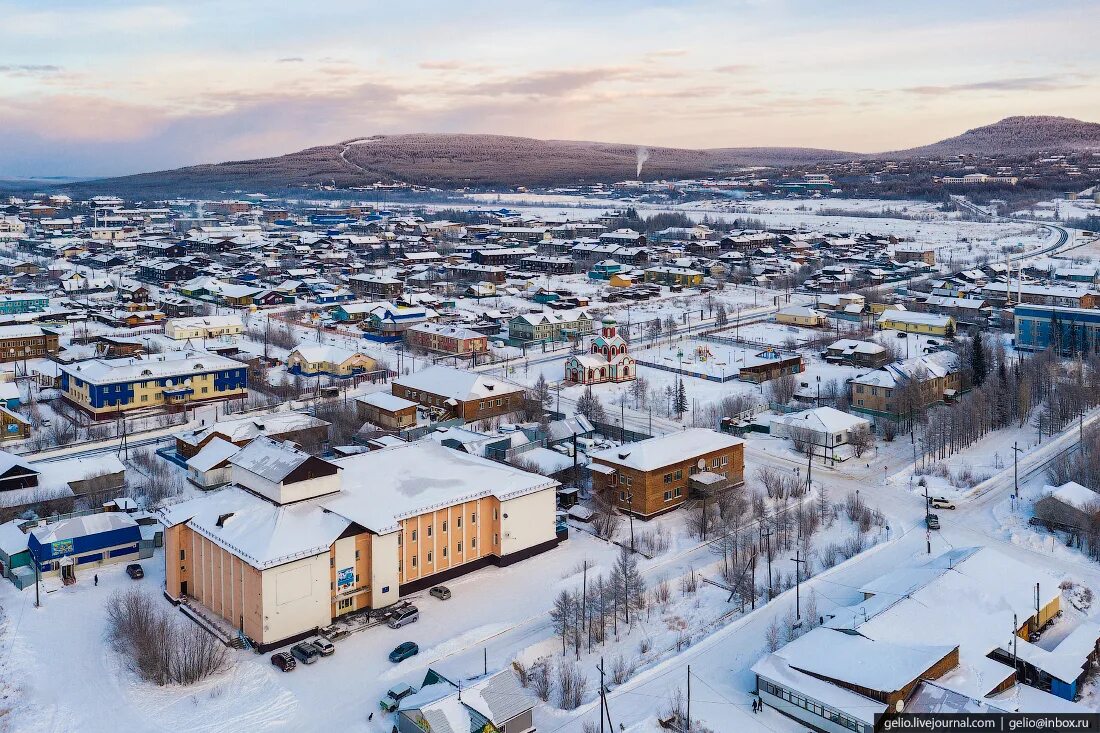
(183, 587)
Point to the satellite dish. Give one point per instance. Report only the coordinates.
(702, 463)
(899, 706)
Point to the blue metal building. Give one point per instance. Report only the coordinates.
(92, 540)
(1069, 330)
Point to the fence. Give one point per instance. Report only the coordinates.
(418, 432)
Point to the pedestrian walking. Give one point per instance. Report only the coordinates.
(96, 577)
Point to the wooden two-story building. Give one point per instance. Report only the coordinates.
(659, 474)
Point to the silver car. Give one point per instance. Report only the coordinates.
(404, 617)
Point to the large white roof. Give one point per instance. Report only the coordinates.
(386, 401)
(384, 486)
(822, 419)
(664, 450)
(213, 453)
(247, 428)
(257, 531)
(74, 527)
(1075, 495)
(456, 383)
(155, 366)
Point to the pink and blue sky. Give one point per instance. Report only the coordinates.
(107, 87)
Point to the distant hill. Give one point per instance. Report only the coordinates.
(454, 160)
(1014, 137)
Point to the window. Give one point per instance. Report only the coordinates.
(668, 478)
(458, 521)
(413, 536)
(679, 490)
(668, 496)
(715, 462)
(473, 543)
(332, 562)
(414, 561)
(429, 533)
(495, 514)
(458, 548)
(496, 539)
(473, 518)
(357, 551)
(679, 474)
(444, 551)
(429, 557)
(399, 535)
(622, 496)
(182, 554)
(345, 603)
(444, 526)
(725, 460)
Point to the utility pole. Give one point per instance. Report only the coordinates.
(809, 465)
(37, 582)
(1015, 637)
(766, 533)
(927, 529)
(687, 723)
(584, 604)
(602, 701)
(1016, 451)
(798, 563)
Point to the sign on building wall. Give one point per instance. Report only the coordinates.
(345, 576)
(61, 547)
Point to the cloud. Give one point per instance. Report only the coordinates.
(290, 60)
(92, 19)
(444, 65)
(733, 68)
(666, 53)
(1048, 83)
(28, 69)
(560, 82)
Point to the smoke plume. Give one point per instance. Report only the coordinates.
(643, 156)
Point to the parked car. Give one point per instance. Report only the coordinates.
(404, 617)
(326, 647)
(403, 651)
(284, 661)
(135, 571)
(441, 592)
(394, 695)
(305, 652)
(933, 521)
(902, 334)
(939, 502)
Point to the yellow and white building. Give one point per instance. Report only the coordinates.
(297, 541)
(103, 388)
(313, 360)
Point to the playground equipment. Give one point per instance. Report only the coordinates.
(702, 353)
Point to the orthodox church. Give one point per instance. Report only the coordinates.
(607, 360)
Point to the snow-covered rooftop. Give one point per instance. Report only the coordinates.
(384, 486)
(664, 450)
